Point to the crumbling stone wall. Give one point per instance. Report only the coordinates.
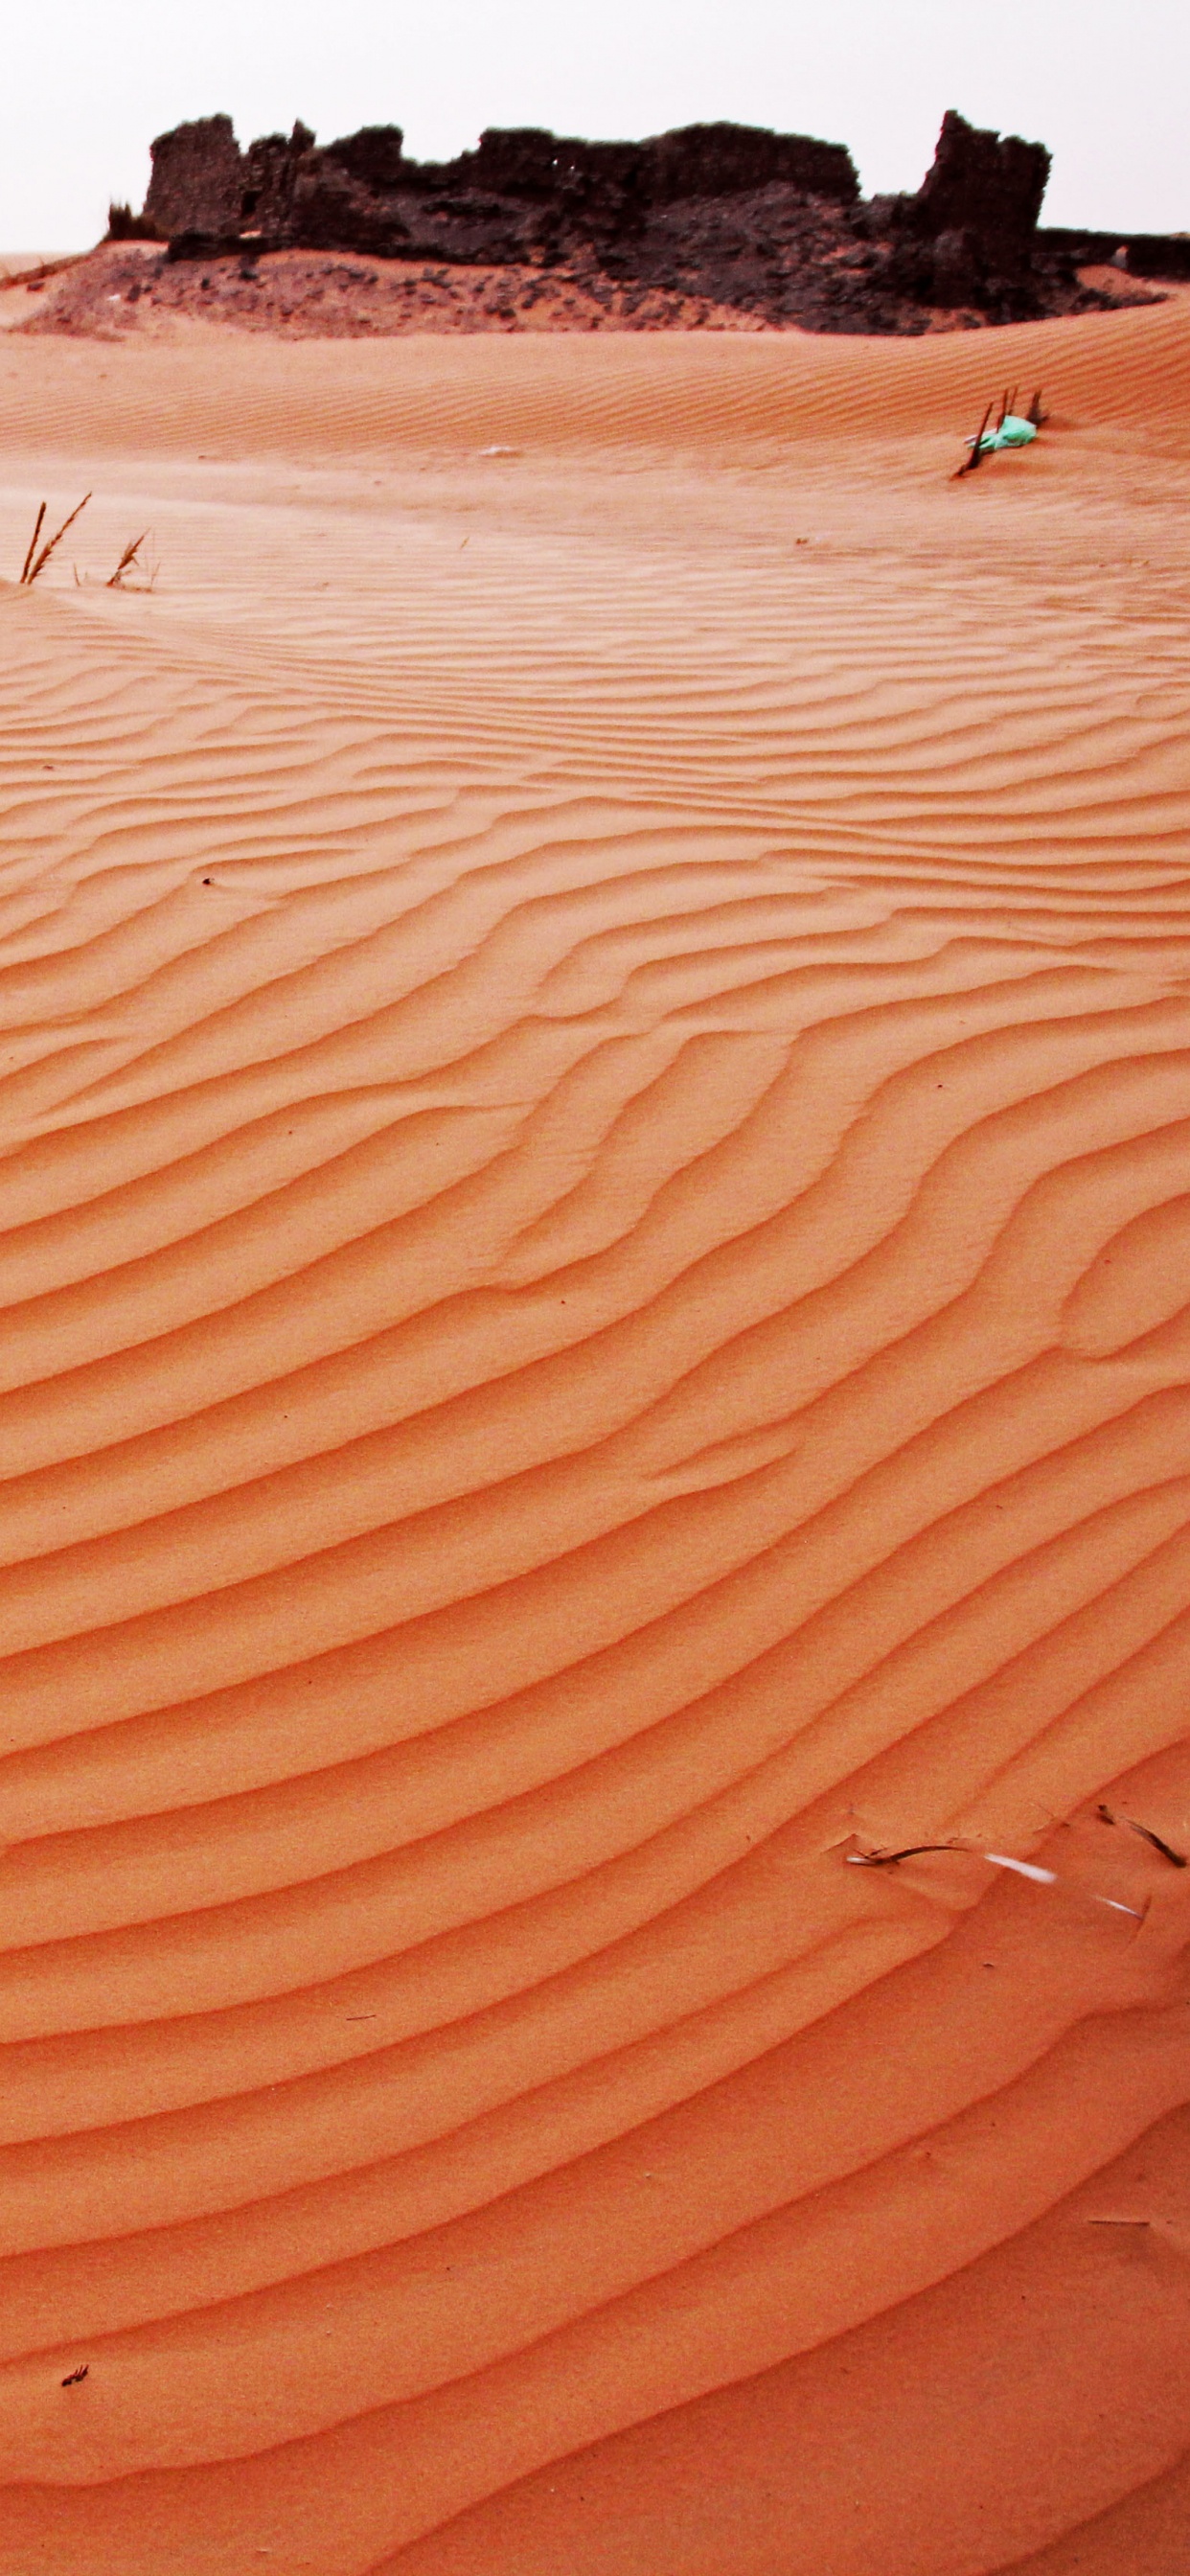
(203, 184)
(267, 180)
(1156, 255)
(197, 183)
(733, 160)
(732, 212)
(968, 236)
(374, 158)
(517, 193)
(1159, 255)
(692, 161)
(985, 184)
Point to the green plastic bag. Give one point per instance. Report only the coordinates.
(1011, 433)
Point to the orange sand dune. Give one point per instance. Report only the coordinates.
(596, 1181)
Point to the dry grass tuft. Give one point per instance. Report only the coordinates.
(123, 225)
(128, 562)
(35, 562)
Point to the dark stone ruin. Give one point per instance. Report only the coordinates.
(197, 183)
(522, 195)
(1158, 255)
(968, 236)
(1154, 255)
(984, 193)
(768, 223)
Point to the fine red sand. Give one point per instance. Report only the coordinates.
(596, 1174)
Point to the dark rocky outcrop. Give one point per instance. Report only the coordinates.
(768, 223)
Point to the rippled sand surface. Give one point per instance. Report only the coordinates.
(596, 1197)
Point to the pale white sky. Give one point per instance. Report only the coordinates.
(85, 84)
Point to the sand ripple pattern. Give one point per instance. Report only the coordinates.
(596, 1271)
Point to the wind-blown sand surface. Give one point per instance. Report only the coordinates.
(596, 1174)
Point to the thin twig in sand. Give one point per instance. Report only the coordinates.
(1147, 1835)
(1030, 1869)
(886, 1859)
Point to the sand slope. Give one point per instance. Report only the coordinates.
(596, 1184)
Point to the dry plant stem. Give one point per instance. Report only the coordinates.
(1157, 1842)
(127, 560)
(32, 544)
(886, 1859)
(41, 560)
(37, 276)
(976, 456)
